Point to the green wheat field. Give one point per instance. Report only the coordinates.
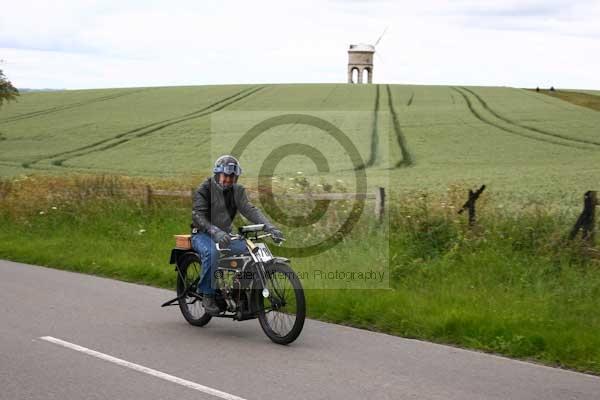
(518, 142)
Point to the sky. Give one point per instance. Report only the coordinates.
(78, 44)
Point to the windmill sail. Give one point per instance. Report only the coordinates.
(378, 40)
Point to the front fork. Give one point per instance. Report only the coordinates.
(262, 278)
(260, 268)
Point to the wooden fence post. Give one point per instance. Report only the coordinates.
(148, 197)
(470, 204)
(587, 219)
(379, 203)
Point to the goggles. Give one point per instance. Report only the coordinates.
(228, 169)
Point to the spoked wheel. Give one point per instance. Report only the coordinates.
(191, 307)
(282, 313)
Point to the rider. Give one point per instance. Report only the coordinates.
(215, 204)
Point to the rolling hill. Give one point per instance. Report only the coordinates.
(408, 137)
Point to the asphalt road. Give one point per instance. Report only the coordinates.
(162, 357)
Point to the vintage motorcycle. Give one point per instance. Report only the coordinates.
(255, 285)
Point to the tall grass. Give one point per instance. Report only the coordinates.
(512, 285)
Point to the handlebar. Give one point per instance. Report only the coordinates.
(234, 236)
(277, 242)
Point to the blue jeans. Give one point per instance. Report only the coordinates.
(209, 255)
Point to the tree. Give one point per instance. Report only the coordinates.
(7, 91)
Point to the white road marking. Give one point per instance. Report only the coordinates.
(140, 368)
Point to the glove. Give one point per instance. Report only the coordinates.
(220, 237)
(223, 239)
(276, 234)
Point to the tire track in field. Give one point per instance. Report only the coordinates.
(139, 132)
(488, 121)
(30, 163)
(407, 158)
(326, 99)
(87, 169)
(529, 127)
(374, 135)
(52, 110)
(10, 163)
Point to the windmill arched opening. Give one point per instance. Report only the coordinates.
(355, 75)
(366, 75)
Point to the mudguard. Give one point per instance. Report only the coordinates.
(176, 254)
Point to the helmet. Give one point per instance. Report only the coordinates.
(227, 165)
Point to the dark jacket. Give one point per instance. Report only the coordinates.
(215, 207)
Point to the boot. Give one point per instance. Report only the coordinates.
(210, 305)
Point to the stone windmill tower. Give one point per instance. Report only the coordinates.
(360, 59)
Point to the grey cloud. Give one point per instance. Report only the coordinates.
(549, 8)
(532, 24)
(48, 44)
(546, 9)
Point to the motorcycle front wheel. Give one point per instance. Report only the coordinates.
(282, 313)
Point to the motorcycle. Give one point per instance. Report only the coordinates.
(248, 286)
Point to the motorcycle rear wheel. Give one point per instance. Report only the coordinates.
(190, 270)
